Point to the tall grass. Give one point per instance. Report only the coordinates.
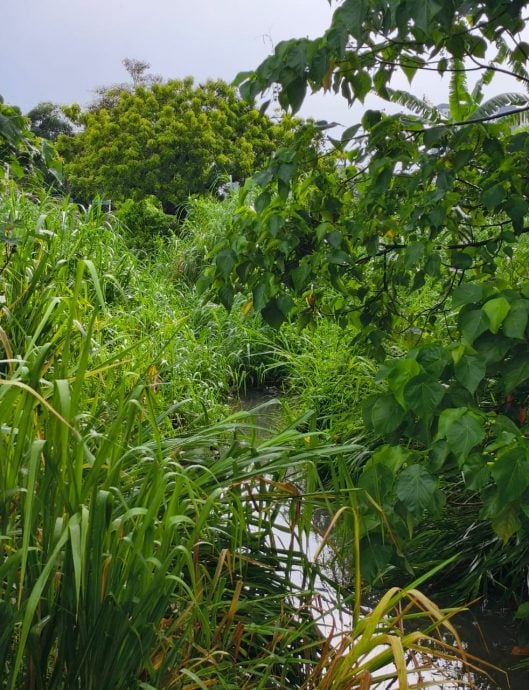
(139, 545)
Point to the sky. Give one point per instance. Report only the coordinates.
(60, 50)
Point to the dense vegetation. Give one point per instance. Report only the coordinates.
(414, 243)
(168, 140)
(148, 539)
(152, 535)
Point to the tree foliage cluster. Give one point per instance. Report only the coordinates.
(169, 140)
(420, 201)
(47, 120)
(23, 155)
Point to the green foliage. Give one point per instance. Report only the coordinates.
(415, 200)
(457, 411)
(22, 155)
(322, 371)
(400, 207)
(47, 120)
(135, 552)
(144, 223)
(170, 141)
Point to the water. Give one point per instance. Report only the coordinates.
(487, 631)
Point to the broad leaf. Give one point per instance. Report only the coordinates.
(470, 371)
(468, 293)
(432, 358)
(386, 414)
(399, 375)
(416, 488)
(506, 524)
(511, 474)
(377, 480)
(515, 372)
(423, 395)
(473, 323)
(273, 314)
(464, 434)
(496, 309)
(516, 320)
(391, 456)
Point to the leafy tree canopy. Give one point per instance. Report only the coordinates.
(416, 198)
(47, 120)
(168, 140)
(23, 155)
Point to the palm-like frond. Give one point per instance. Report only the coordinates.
(485, 79)
(504, 105)
(516, 66)
(459, 98)
(426, 111)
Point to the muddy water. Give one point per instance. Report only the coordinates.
(487, 630)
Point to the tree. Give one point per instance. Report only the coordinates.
(414, 200)
(417, 198)
(47, 120)
(137, 70)
(22, 155)
(168, 140)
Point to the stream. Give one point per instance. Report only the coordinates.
(488, 631)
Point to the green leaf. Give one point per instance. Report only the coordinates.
(425, 11)
(300, 276)
(226, 296)
(506, 524)
(286, 171)
(448, 417)
(511, 474)
(400, 373)
(522, 612)
(493, 196)
(468, 293)
(272, 314)
(496, 309)
(377, 480)
(295, 93)
(432, 265)
(492, 348)
(461, 260)
(413, 254)
(517, 209)
(386, 414)
(476, 472)
(423, 395)
(515, 372)
(433, 136)
(470, 371)
(285, 304)
(391, 456)
(464, 434)
(352, 14)
(225, 261)
(361, 83)
(473, 323)
(516, 320)
(262, 201)
(432, 358)
(437, 454)
(349, 134)
(416, 488)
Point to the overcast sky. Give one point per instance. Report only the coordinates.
(60, 50)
